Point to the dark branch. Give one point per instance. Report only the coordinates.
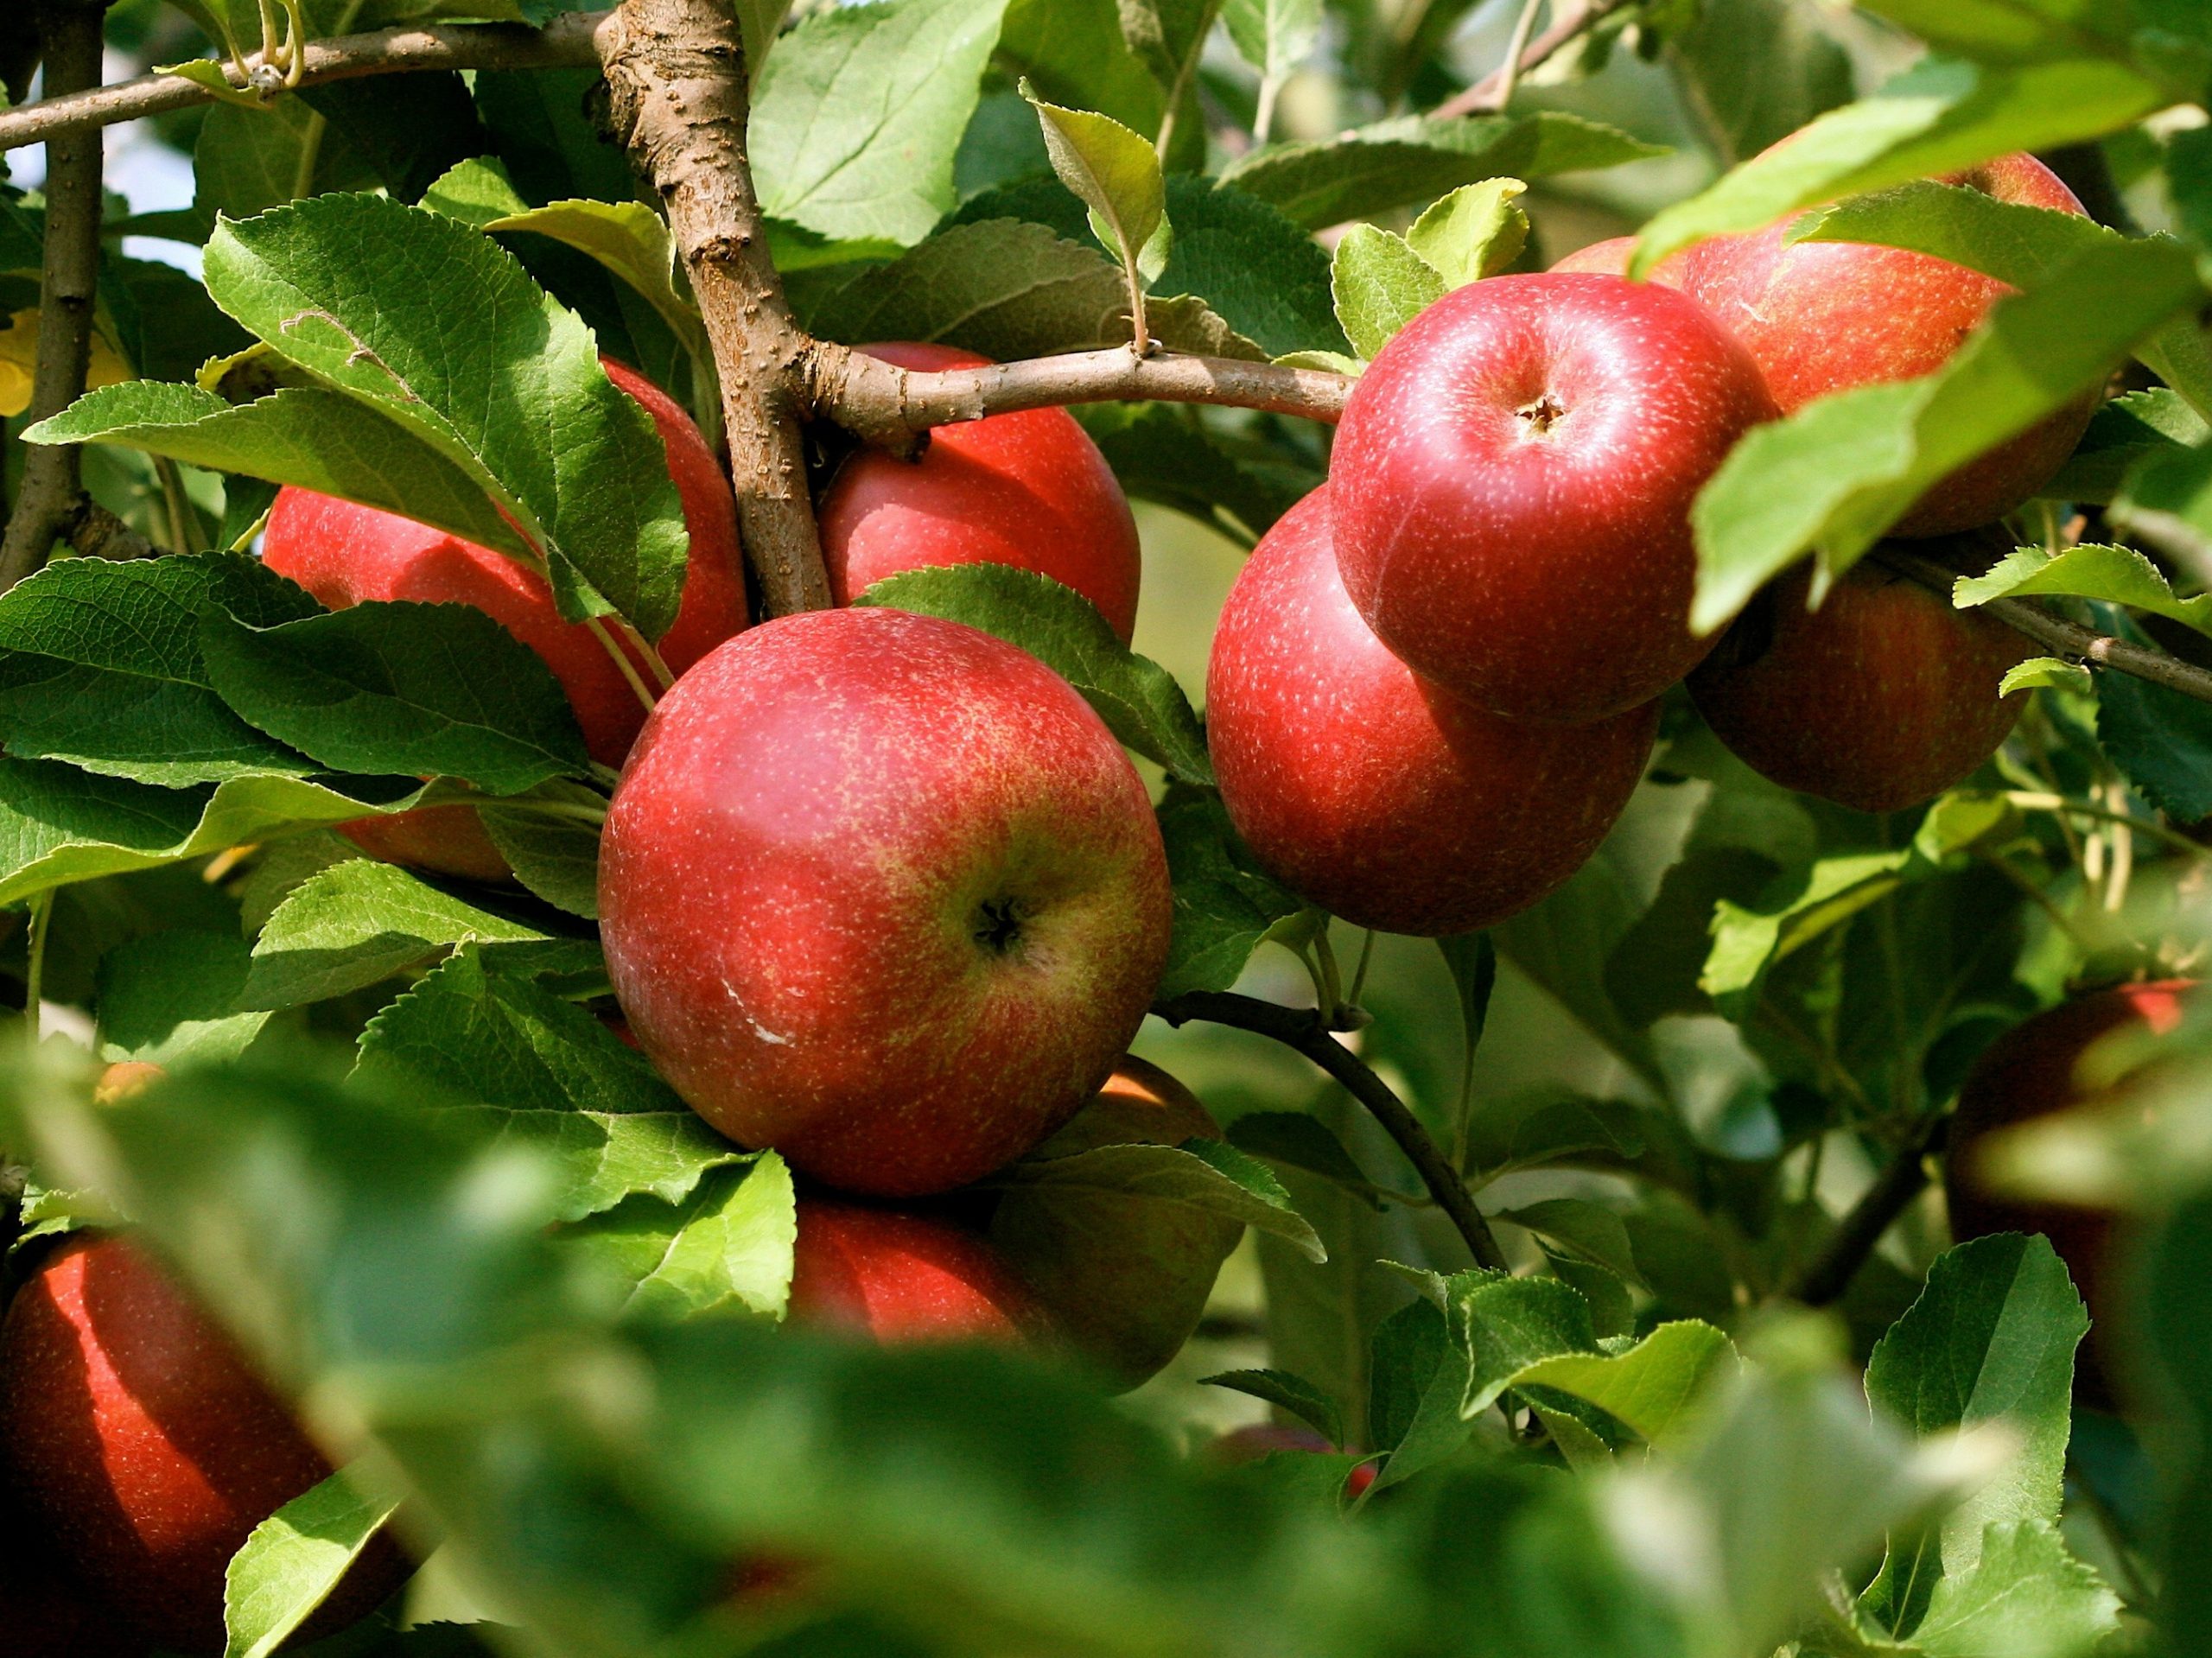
(2054, 632)
(69, 288)
(567, 41)
(883, 404)
(1305, 1031)
(676, 73)
(1829, 1272)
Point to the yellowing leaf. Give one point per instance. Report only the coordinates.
(19, 363)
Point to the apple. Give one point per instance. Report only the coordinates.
(43, 1613)
(1511, 487)
(896, 1276)
(1125, 1276)
(1882, 698)
(1610, 258)
(145, 1448)
(1822, 317)
(2029, 1072)
(344, 554)
(1381, 796)
(1028, 489)
(881, 892)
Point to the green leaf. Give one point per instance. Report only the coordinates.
(1990, 1340)
(549, 1076)
(357, 923)
(1225, 906)
(1008, 290)
(1381, 284)
(1418, 1376)
(1115, 173)
(476, 192)
(430, 690)
(2009, 240)
(1206, 1175)
(1287, 1391)
(550, 839)
(1295, 1140)
(291, 1561)
(1374, 168)
(1078, 55)
(1275, 36)
(103, 667)
(58, 824)
(2161, 739)
(1137, 698)
(861, 110)
(628, 239)
(318, 439)
(2118, 575)
(249, 154)
(2026, 1597)
(1837, 473)
(441, 329)
(2169, 494)
(728, 1245)
(172, 998)
(1752, 73)
(2124, 435)
(1749, 939)
(1654, 1387)
(1582, 1227)
(1507, 1324)
(2038, 672)
(1476, 232)
(1167, 453)
(1941, 116)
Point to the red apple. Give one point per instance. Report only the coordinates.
(881, 892)
(1882, 698)
(1512, 487)
(1124, 1276)
(344, 554)
(146, 1449)
(2029, 1072)
(44, 1612)
(1381, 796)
(1821, 317)
(1610, 258)
(1028, 489)
(896, 1277)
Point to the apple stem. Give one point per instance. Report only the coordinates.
(605, 635)
(1309, 1033)
(1829, 1272)
(41, 909)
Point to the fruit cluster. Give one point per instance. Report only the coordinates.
(882, 892)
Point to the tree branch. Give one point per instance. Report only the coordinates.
(676, 73)
(1307, 1032)
(1571, 19)
(2054, 632)
(883, 404)
(566, 43)
(1829, 1273)
(68, 287)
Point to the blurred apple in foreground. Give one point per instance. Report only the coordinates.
(1511, 484)
(897, 1276)
(2031, 1071)
(1821, 317)
(1883, 698)
(145, 1448)
(1124, 1276)
(1027, 489)
(881, 892)
(1383, 797)
(345, 554)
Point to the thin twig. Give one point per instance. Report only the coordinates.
(1488, 95)
(678, 99)
(2054, 632)
(68, 287)
(1510, 71)
(1829, 1273)
(880, 403)
(565, 42)
(1307, 1032)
